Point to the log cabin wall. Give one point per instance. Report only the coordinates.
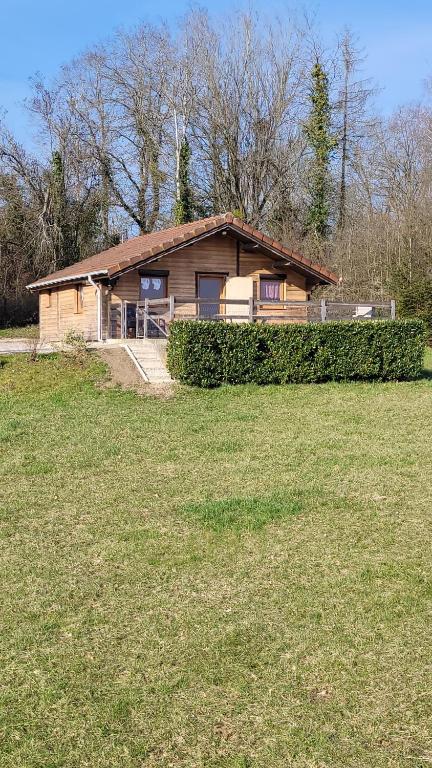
(71, 307)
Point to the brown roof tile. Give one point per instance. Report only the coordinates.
(140, 248)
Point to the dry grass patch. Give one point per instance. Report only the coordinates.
(121, 372)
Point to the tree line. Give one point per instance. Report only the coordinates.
(156, 127)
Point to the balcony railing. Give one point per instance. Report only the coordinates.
(152, 317)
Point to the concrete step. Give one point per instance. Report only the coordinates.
(148, 362)
(144, 356)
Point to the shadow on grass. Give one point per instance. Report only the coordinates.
(427, 370)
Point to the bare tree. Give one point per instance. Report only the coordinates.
(353, 118)
(111, 126)
(248, 84)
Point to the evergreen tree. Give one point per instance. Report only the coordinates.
(62, 239)
(322, 143)
(184, 207)
(239, 214)
(58, 187)
(70, 229)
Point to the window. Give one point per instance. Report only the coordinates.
(271, 288)
(153, 286)
(79, 298)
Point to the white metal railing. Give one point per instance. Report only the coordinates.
(260, 309)
(153, 316)
(148, 325)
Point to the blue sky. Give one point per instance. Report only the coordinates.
(40, 35)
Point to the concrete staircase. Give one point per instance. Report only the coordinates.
(149, 357)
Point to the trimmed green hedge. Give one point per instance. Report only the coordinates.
(208, 354)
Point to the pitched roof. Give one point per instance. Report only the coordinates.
(144, 247)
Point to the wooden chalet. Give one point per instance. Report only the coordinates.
(216, 268)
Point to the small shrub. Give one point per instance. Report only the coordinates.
(33, 345)
(77, 350)
(208, 354)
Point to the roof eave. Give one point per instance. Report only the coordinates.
(40, 284)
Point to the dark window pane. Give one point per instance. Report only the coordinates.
(130, 321)
(152, 287)
(210, 287)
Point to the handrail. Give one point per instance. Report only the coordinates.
(262, 302)
(286, 303)
(200, 300)
(191, 300)
(373, 304)
(258, 310)
(152, 302)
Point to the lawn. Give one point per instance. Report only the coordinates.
(20, 332)
(237, 578)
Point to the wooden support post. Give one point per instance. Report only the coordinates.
(251, 309)
(123, 316)
(393, 309)
(171, 307)
(146, 308)
(323, 310)
(108, 315)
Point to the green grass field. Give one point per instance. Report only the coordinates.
(238, 578)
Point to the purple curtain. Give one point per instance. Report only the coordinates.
(270, 289)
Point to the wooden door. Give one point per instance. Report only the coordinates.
(210, 287)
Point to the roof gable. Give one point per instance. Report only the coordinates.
(145, 248)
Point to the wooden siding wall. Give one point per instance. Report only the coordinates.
(215, 254)
(57, 313)
(255, 264)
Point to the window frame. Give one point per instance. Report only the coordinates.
(222, 276)
(162, 275)
(281, 279)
